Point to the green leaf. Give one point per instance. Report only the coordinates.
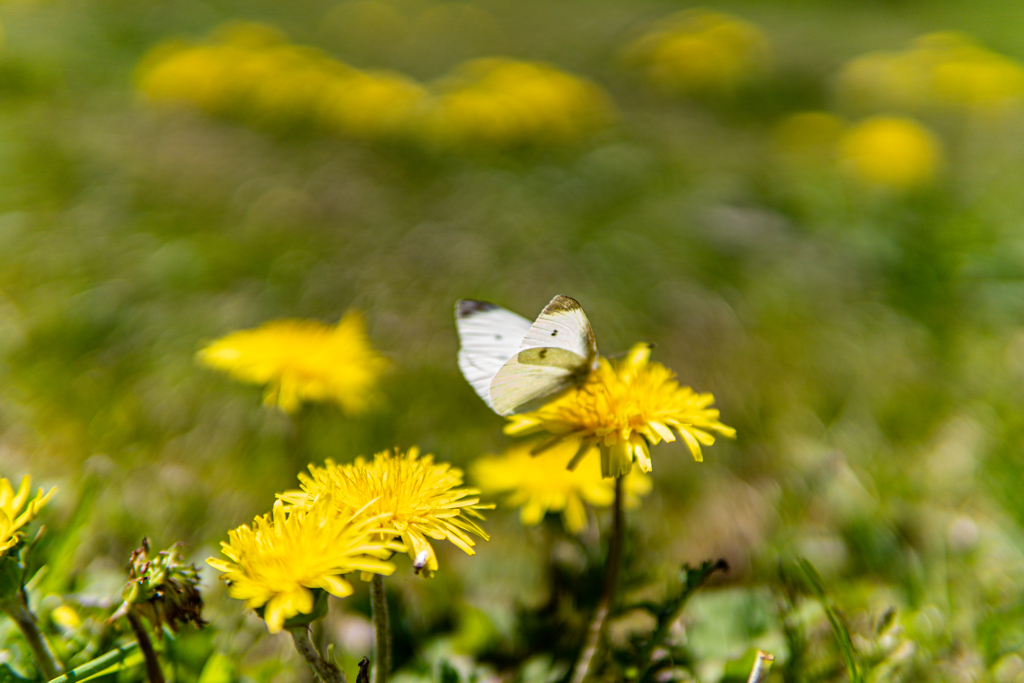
(446, 673)
(842, 633)
(218, 669)
(8, 675)
(670, 611)
(11, 572)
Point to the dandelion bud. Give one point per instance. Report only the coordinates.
(164, 589)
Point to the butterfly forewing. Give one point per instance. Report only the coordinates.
(563, 325)
(489, 336)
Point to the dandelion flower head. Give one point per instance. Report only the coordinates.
(892, 152)
(542, 483)
(303, 360)
(16, 510)
(945, 71)
(622, 410)
(287, 553)
(500, 103)
(700, 52)
(249, 72)
(421, 499)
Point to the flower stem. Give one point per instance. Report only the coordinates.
(102, 663)
(17, 609)
(762, 665)
(326, 671)
(381, 631)
(588, 657)
(152, 663)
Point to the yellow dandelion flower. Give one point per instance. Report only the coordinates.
(303, 360)
(16, 510)
(623, 409)
(287, 553)
(945, 70)
(891, 152)
(542, 483)
(421, 499)
(182, 74)
(371, 105)
(700, 52)
(499, 102)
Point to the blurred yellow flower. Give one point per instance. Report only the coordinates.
(372, 105)
(66, 617)
(697, 52)
(303, 360)
(945, 70)
(542, 483)
(249, 73)
(419, 498)
(503, 102)
(890, 152)
(16, 510)
(288, 552)
(623, 409)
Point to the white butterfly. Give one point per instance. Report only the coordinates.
(517, 366)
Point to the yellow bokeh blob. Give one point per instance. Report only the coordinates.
(893, 152)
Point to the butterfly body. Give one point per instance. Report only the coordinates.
(515, 365)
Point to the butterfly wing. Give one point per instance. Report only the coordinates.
(489, 336)
(558, 351)
(562, 325)
(532, 377)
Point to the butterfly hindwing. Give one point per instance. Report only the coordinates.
(489, 336)
(534, 375)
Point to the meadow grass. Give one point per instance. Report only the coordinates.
(853, 301)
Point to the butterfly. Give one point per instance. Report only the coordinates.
(517, 366)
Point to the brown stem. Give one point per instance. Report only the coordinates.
(17, 609)
(588, 656)
(152, 663)
(326, 671)
(381, 632)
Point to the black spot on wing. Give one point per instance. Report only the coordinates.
(554, 333)
(467, 307)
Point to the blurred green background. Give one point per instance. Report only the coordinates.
(855, 305)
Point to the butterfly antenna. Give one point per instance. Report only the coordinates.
(621, 354)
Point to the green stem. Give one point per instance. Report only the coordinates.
(588, 656)
(381, 631)
(693, 580)
(326, 671)
(17, 609)
(98, 665)
(153, 671)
